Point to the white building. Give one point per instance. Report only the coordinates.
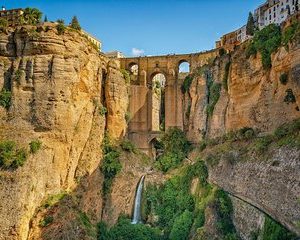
(241, 34)
(115, 54)
(275, 11)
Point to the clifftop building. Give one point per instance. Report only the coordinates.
(12, 16)
(93, 40)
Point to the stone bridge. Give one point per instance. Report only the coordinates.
(143, 126)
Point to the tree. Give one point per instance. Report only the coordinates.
(31, 16)
(250, 25)
(45, 19)
(75, 23)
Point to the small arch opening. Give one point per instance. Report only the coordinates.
(183, 69)
(158, 102)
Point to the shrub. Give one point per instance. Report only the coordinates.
(202, 146)
(111, 165)
(290, 97)
(126, 75)
(17, 76)
(35, 145)
(246, 133)
(46, 221)
(53, 199)
(287, 129)
(214, 95)
(75, 24)
(127, 117)
(11, 156)
(128, 146)
(60, 27)
(102, 110)
(222, 52)
(175, 149)
(284, 78)
(261, 144)
(291, 33)
(265, 41)
(187, 83)
(212, 160)
(3, 24)
(274, 231)
(181, 226)
(31, 16)
(5, 98)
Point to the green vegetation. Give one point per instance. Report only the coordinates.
(111, 165)
(124, 230)
(11, 156)
(46, 221)
(181, 227)
(53, 199)
(284, 77)
(75, 24)
(86, 223)
(17, 76)
(226, 75)
(126, 75)
(187, 83)
(31, 16)
(128, 146)
(46, 18)
(102, 110)
(250, 28)
(60, 27)
(274, 231)
(175, 149)
(222, 52)
(5, 98)
(3, 24)
(35, 145)
(127, 117)
(214, 95)
(291, 33)
(265, 41)
(290, 97)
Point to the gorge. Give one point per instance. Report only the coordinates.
(77, 137)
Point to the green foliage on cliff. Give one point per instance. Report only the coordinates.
(111, 165)
(60, 27)
(214, 90)
(128, 146)
(181, 227)
(124, 230)
(284, 77)
(5, 98)
(291, 33)
(75, 24)
(31, 16)
(126, 75)
(265, 41)
(274, 231)
(3, 24)
(187, 83)
(290, 97)
(11, 156)
(35, 146)
(175, 149)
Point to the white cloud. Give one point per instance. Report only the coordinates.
(137, 52)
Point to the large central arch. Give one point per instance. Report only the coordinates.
(143, 124)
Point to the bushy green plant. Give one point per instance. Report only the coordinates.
(290, 97)
(284, 77)
(11, 156)
(17, 76)
(274, 231)
(187, 83)
(181, 227)
(60, 27)
(35, 145)
(46, 221)
(102, 110)
(3, 24)
(128, 146)
(5, 98)
(75, 24)
(265, 41)
(124, 230)
(261, 144)
(291, 33)
(126, 75)
(175, 149)
(214, 95)
(53, 199)
(31, 16)
(111, 165)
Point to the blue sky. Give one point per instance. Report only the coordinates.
(153, 26)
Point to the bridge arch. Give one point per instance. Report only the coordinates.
(184, 66)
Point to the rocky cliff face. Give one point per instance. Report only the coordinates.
(255, 97)
(57, 84)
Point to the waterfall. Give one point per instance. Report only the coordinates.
(137, 218)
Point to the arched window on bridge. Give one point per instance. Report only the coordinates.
(183, 69)
(158, 102)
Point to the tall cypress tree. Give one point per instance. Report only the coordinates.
(75, 23)
(250, 25)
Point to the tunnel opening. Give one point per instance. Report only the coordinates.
(158, 102)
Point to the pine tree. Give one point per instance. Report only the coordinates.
(250, 25)
(75, 24)
(45, 19)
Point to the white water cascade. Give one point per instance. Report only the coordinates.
(137, 218)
